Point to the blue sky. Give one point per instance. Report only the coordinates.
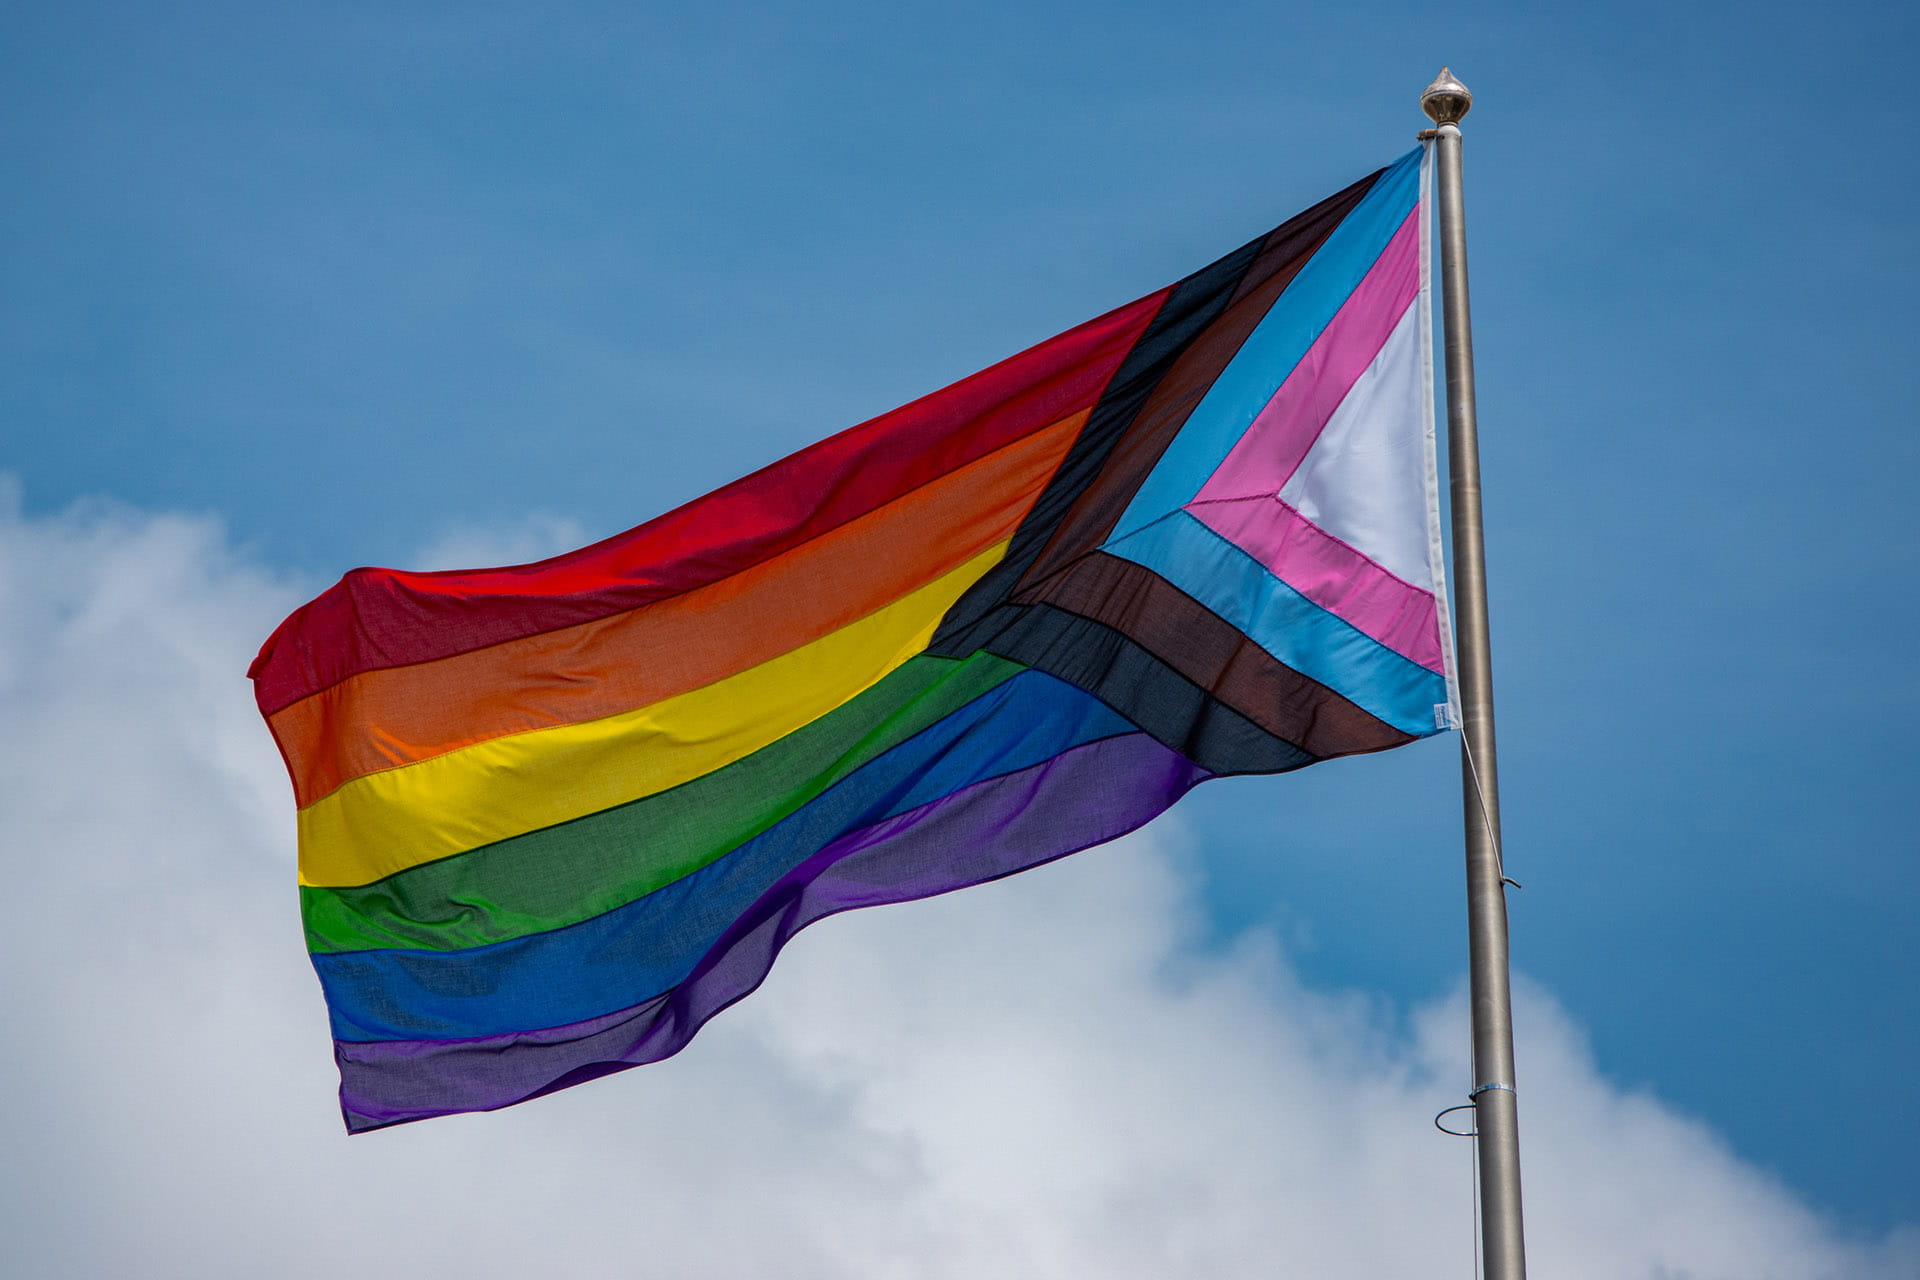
(370, 284)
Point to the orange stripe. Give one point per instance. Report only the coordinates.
(398, 715)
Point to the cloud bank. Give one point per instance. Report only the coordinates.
(1054, 1076)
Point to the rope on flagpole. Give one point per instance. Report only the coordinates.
(1480, 794)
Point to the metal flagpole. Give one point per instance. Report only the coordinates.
(1496, 1119)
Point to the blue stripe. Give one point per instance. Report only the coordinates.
(650, 945)
(1285, 623)
(1299, 317)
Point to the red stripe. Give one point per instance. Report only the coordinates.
(376, 618)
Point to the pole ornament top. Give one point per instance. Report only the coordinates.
(1446, 100)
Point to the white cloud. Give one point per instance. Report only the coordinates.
(1042, 1077)
(516, 540)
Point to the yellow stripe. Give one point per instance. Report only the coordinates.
(385, 822)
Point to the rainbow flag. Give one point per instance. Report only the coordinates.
(554, 817)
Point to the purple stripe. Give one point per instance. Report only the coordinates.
(1079, 798)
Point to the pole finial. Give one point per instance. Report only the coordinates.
(1446, 100)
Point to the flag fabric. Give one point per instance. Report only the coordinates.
(554, 817)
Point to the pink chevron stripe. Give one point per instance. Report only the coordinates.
(1330, 573)
(1265, 458)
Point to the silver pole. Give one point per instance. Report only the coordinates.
(1496, 1118)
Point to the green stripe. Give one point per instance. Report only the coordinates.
(574, 871)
